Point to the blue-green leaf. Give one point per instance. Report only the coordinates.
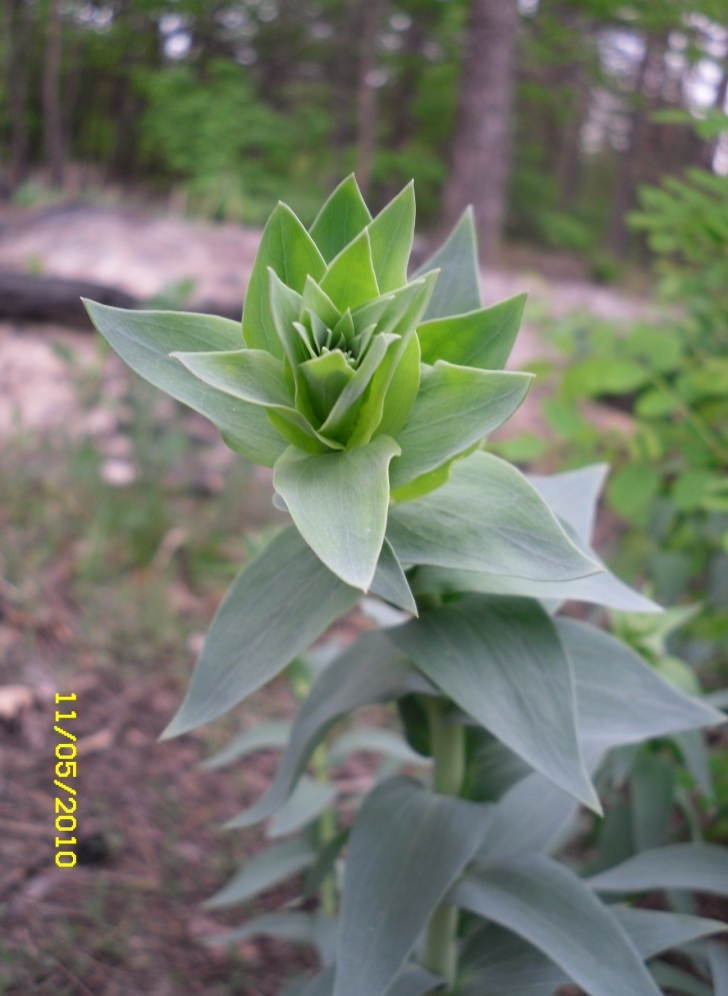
(289, 250)
(307, 801)
(481, 339)
(277, 606)
(144, 340)
(371, 670)
(262, 872)
(487, 517)
(390, 582)
(407, 847)
(485, 653)
(700, 867)
(550, 907)
(341, 219)
(652, 788)
(458, 284)
(339, 504)
(455, 408)
(262, 737)
(350, 279)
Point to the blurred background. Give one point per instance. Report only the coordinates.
(142, 145)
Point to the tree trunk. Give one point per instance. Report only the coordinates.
(366, 139)
(21, 18)
(480, 155)
(52, 116)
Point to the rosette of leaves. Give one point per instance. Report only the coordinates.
(369, 394)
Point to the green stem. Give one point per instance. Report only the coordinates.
(448, 753)
(326, 830)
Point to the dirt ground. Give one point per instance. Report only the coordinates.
(127, 919)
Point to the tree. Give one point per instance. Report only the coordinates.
(480, 153)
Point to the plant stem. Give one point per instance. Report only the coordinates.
(326, 830)
(448, 753)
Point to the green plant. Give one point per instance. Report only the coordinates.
(370, 395)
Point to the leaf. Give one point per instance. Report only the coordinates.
(497, 962)
(691, 744)
(699, 867)
(339, 503)
(262, 737)
(411, 981)
(289, 250)
(276, 607)
(487, 517)
(326, 377)
(298, 927)
(390, 582)
(371, 670)
(502, 662)
(652, 788)
(314, 299)
(341, 219)
(345, 412)
(350, 279)
(325, 862)
(458, 283)
(573, 496)
(550, 907)
(455, 408)
(144, 340)
(307, 801)
(249, 374)
(262, 872)
(678, 980)
(718, 958)
(621, 699)
(482, 339)
(376, 741)
(407, 847)
(391, 235)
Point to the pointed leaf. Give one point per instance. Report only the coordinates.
(350, 279)
(483, 653)
(297, 927)
(144, 340)
(320, 303)
(550, 907)
(339, 504)
(407, 847)
(345, 412)
(455, 408)
(677, 980)
(287, 247)
(718, 958)
(262, 872)
(458, 285)
(621, 699)
(573, 496)
(391, 235)
(481, 339)
(371, 670)
(390, 582)
(699, 867)
(487, 517)
(307, 801)
(267, 736)
(249, 374)
(341, 219)
(411, 981)
(326, 377)
(280, 603)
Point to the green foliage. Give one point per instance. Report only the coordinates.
(374, 456)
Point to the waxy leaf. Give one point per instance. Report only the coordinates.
(371, 670)
(407, 847)
(481, 339)
(573, 496)
(621, 699)
(316, 300)
(391, 235)
(262, 872)
(267, 736)
(249, 374)
(308, 800)
(277, 606)
(390, 582)
(699, 867)
(455, 408)
(545, 903)
(346, 411)
(144, 340)
(350, 279)
(502, 662)
(339, 504)
(487, 517)
(341, 219)
(411, 981)
(375, 740)
(458, 285)
(289, 250)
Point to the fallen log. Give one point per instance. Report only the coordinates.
(58, 301)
